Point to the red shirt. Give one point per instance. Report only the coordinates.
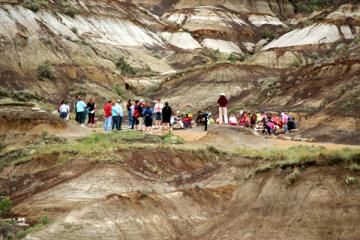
(108, 110)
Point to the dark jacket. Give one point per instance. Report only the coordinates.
(167, 112)
(222, 101)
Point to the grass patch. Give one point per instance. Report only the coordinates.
(292, 177)
(44, 221)
(300, 156)
(172, 139)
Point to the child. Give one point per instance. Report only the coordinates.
(233, 120)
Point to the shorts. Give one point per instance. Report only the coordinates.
(148, 121)
(158, 116)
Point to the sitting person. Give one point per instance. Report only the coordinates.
(269, 126)
(232, 120)
(244, 119)
(200, 119)
(253, 120)
(187, 121)
(291, 123)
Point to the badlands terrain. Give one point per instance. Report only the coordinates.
(60, 181)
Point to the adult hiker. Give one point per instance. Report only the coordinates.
(223, 102)
(120, 114)
(166, 116)
(148, 118)
(91, 106)
(158, 110)
(107, 116)
(115, 112)
(136, 115)
(80, 109)
(64, 109)
(75, 103)
(129, 109)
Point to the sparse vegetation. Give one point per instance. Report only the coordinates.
(233, 58)
(172, 139)
(125, 67)
(35, 5)
(296, 63)
(300, 156)
(45, 70)
(44, 221)
(70, 11)
(292, 177)
(5, 205)
(308, 6)
(267, 34)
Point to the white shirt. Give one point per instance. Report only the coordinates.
(158, 107)
(64, 108)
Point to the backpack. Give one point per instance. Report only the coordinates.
(136, 112)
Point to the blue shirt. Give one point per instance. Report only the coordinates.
(80, 106)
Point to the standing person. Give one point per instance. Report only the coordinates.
(64, 110)
(141, 118)
(223, 102)
(136, 115)
(91, 106)
(148, 116)
(157, 109)
(129, 107)
(115, 115)
(107, 116)
(120, 114)
(80, 109)
(75, 109)
(166, 116)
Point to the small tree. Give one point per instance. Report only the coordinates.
(5, 205)
(45, 70)
(125, 67)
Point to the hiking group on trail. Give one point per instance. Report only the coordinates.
(142, 114)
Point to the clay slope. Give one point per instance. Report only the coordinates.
(169, 194)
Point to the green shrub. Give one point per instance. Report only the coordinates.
(45, 220)
(125, 67)
(45, 70)
(292, 177)
(267, 34)
(33, 6)
(232, 58)
(70, 11)
(119, 90)
(5, 205)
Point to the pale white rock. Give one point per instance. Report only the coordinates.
(259, 20)
(346, 31)
(250, 47)
(221, 45)
(182, 40)
(314, 34)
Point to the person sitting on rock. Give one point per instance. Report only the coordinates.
(253, 120)
(244, 119)
(187, 121)
(232, 120)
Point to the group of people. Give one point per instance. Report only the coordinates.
(268, 123)
(141, 116)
